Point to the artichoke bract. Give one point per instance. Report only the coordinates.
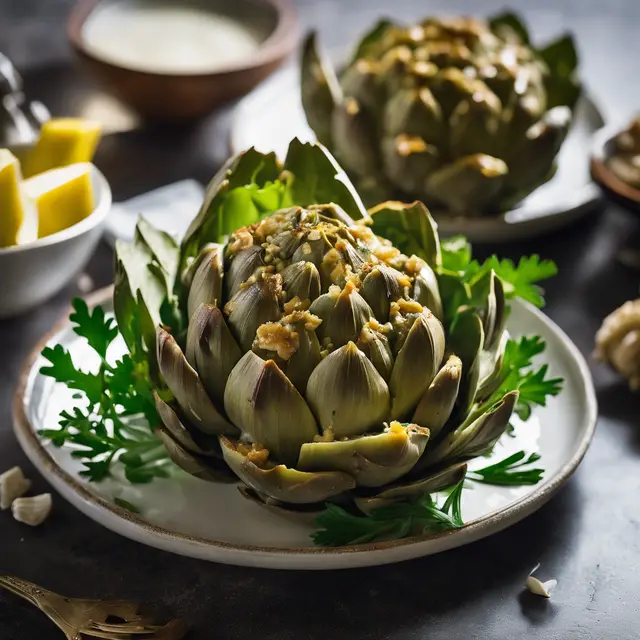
(461, 113)
(301, 352)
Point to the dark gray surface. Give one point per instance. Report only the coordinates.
(587, 537)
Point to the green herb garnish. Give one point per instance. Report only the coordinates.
(106, 429)
(338, 527)
(509, 472)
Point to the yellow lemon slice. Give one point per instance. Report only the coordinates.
(18, 219)
(63, 197)
(63, 141)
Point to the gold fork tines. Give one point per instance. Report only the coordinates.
(111, 620)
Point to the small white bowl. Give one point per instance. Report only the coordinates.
(33, 272)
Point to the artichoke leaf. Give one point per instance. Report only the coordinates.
(253, 305)
(307, 356)
(353, 142)
(410, 228)
(263, 402)
(475, 124)
(187, 388)
(534, 156)
(241, 267)
(561, 84)
(408, 160)
(510, 27)
(476, 438)
(468, 185)
(369, 44)
(414, 113)
(301, 279)
(349, 314)
(195, 442)
(215, 221)
(361, 81)
(320, 89)
(373, 460)
(318, 178)
(380, 287)
(282, 483)
(163, 247)
(466, 339)
(491, 375)
(206, 283)
(416, 364)
(374, 343)
(436, 405)
(211, 350)
(210, 469)
(401, 491)
(347, 394)
(427, 292)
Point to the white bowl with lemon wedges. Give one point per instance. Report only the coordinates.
(53, 205)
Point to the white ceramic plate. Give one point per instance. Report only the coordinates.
(214, 522)
(270, 116)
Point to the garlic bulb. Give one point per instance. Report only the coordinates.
(13, 485)
(32, 511)
(618, 341)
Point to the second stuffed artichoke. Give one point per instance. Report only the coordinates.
(461, 113)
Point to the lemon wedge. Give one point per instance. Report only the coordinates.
(18, 220)
(62, 142)
(62, 197)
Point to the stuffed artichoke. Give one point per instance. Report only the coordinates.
(298, 350)
(463, 114)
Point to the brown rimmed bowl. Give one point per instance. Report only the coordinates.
(183, 96)
(603, 145)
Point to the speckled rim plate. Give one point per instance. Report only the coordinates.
(574, 410)
(271, 115)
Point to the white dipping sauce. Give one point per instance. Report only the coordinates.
(165, 38)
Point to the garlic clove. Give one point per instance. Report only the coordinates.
(538, 587)
(33, 510)
(13, 485)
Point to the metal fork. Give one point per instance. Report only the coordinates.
(111, 620)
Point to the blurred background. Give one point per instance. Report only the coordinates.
(33, 36)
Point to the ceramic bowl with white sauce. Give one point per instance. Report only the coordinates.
(180, 59)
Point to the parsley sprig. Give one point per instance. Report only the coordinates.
(116, 421)
(519, 280)
(509, 472)
(338, 527)
(519, 374)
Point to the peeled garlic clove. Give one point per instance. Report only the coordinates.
(33, 510)
(284, 484)
(347, 394)
(13, 485)
(537, 587)
(373, 460)
(261, 400)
